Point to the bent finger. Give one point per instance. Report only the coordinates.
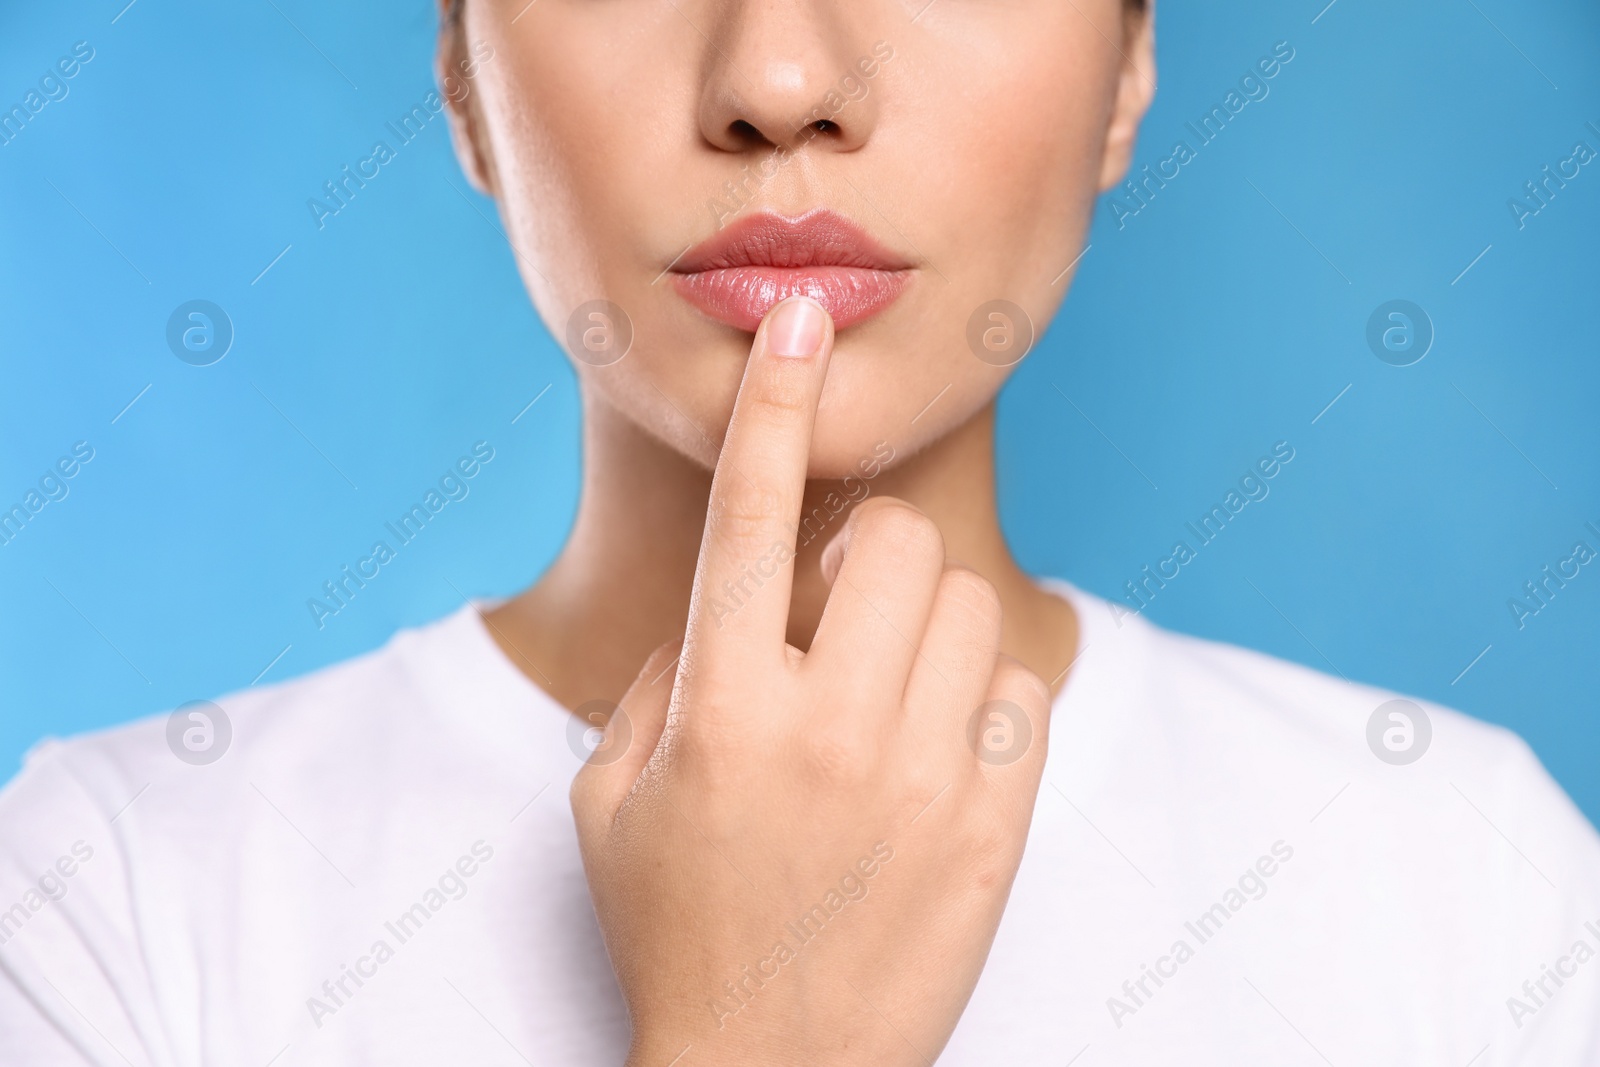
(886, 576)
(1009, 732)
(952, 675)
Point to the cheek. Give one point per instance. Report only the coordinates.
(584, 149)
(1019, 192)
(1037, 152)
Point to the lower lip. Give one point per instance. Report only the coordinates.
(741, 296)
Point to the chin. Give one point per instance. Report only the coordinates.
(897, 381)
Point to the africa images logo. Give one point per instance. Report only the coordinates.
(1399, 732)
(199, 733)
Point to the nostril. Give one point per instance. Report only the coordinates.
(746, 133)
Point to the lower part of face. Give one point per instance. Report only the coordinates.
(964, 142)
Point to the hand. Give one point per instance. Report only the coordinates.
(802, 857)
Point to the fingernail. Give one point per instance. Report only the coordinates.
(796, 328)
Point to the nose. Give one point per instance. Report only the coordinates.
(786, 73)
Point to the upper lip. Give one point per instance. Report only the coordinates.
(819, 238)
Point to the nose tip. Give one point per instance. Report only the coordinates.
(783, 75)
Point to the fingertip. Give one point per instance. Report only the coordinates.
(798, 328)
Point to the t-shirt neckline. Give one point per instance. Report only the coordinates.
(1090, 628)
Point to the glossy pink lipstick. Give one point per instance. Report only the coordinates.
(738, 275)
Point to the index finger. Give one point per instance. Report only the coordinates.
(746, 568)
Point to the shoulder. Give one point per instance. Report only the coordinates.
(128, 856)
(1223, 735)
(1436, 866)
(1250, 704)
(330, 725)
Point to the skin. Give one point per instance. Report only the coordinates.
(778, 745)
(760, 778)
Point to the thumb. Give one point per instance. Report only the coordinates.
(628, 735)
(833, 552)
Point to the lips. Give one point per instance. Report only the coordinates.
(738, 275)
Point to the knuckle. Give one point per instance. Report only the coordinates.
(924, 794)
(746, 515)
(1019, 686)
(902, 529)
(972, 595)
(833, 755)
(1015, 682)
(716, 762)
(971, 657)
(990, 865)
(777, 395)
(970, 608)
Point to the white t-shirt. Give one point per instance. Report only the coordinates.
(382, 869)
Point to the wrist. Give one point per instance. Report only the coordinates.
(710, 1050)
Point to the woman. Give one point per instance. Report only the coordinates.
(793, 249)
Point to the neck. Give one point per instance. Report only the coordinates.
(621, 584)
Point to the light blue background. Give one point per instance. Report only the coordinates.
(1222, 318)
